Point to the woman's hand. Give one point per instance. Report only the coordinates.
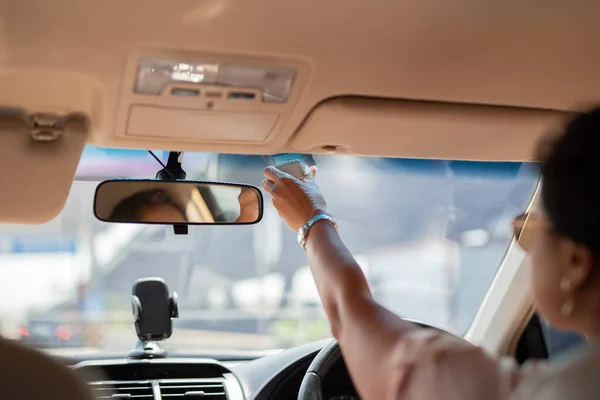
(249, 208)
(296, 201)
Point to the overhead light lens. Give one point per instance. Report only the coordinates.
(275, 83)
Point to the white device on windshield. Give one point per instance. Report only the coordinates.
(297, 165)
(295, 168)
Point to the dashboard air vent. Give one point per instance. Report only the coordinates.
(122, 390)
(212, 389)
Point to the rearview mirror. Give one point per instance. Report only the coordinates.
(177, 202)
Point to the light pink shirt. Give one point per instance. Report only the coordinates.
(434, 365)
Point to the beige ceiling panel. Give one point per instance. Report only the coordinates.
(516, 54)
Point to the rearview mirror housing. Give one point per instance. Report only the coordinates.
(172, 202)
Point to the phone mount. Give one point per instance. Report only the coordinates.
(153, 308)
(147, 350)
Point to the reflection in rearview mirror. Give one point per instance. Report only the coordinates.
(177, 202)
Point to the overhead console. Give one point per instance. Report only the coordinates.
(207, 98)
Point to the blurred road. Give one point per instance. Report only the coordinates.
(120, 340)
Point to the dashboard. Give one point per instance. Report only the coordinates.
(275, 376)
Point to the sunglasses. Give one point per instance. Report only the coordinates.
(524, 229)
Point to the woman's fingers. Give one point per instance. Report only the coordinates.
(296, 200)
(274, 174)
(268, 185)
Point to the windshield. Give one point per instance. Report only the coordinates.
(429, 234)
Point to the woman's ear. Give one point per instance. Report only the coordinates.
(579, 265)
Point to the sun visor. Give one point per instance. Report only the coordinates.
(419, 129)
(39, 154)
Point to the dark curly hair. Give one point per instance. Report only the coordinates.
(133, 207)
(570, 192)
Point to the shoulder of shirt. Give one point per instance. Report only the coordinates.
(574, 374)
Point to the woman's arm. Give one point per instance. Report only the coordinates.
(367, 332)
(387, 357)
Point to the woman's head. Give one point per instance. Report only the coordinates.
(565, 249)
(149, 206)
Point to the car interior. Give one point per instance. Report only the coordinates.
(421, 117)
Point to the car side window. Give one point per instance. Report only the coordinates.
(540, 340)
(557, 341)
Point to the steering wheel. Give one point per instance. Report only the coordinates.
(312, 383)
